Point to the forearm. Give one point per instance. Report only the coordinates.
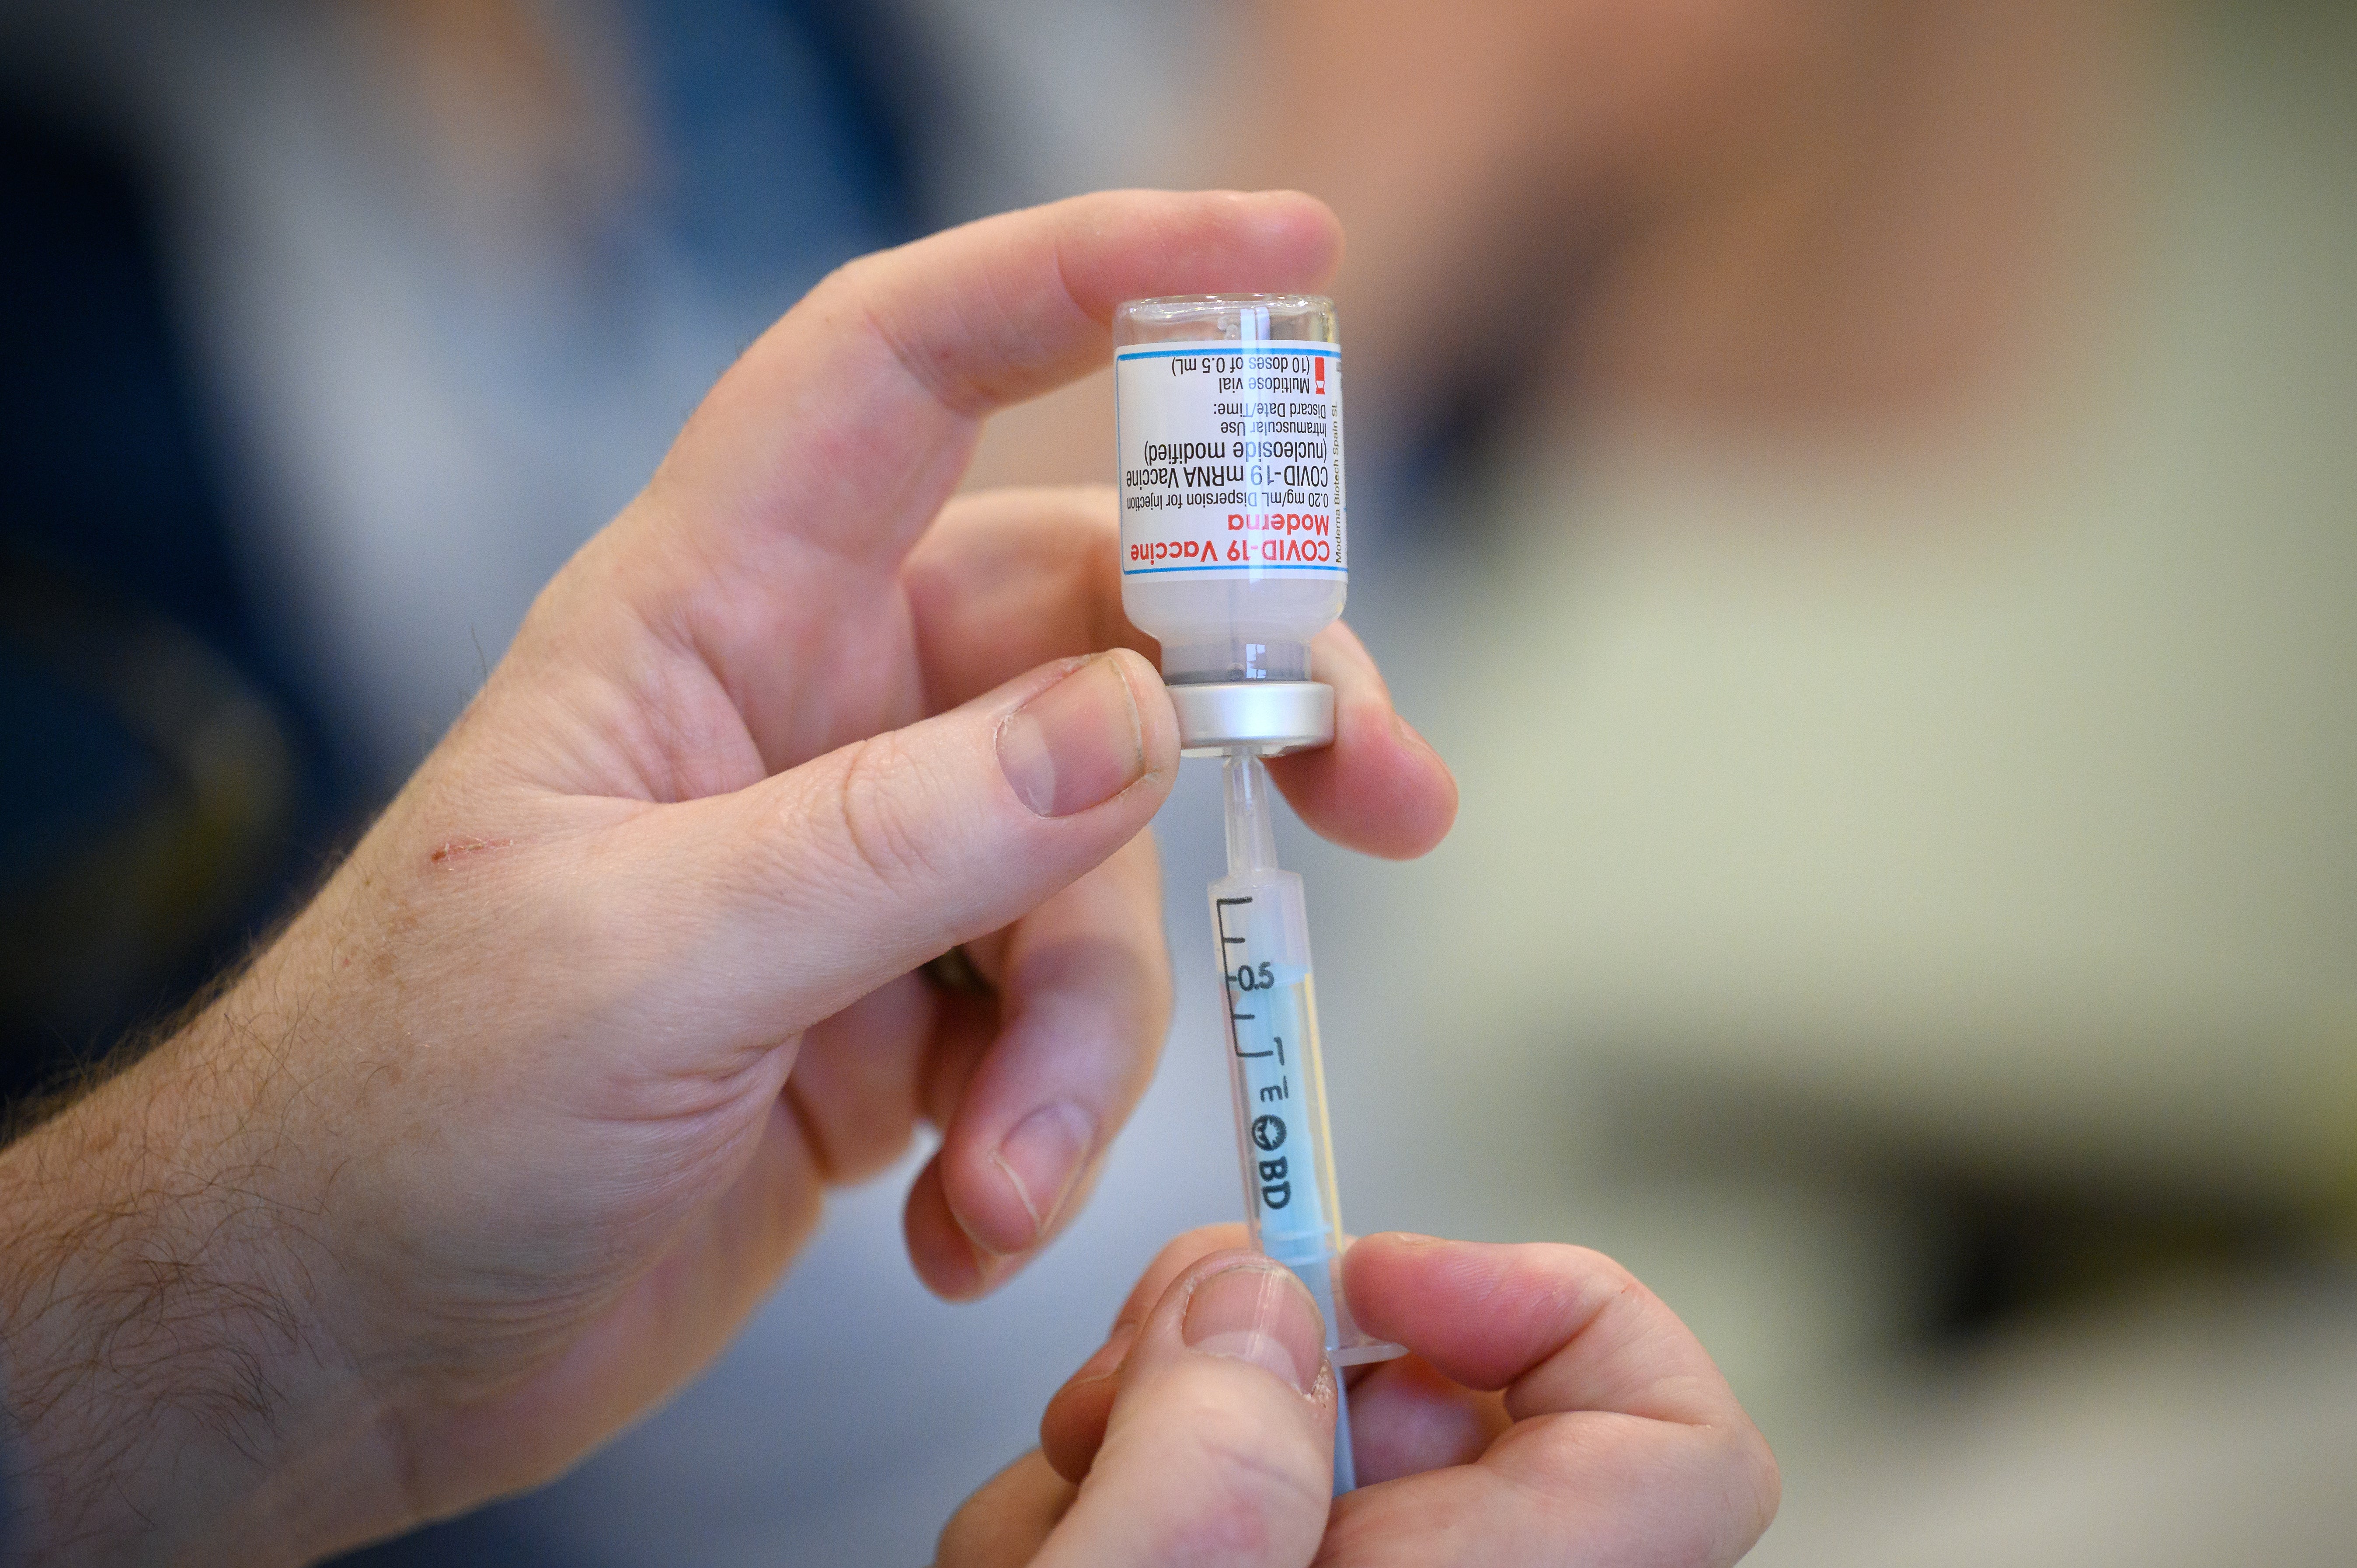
(171, 1372)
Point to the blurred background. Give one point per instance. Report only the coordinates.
(1865, 495)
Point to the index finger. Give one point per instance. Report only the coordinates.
(1559, 1328)
(845, 428)
(1627, 1446)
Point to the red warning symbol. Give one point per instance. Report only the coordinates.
(1320, 362)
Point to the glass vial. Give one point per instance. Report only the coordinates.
(1234, 536)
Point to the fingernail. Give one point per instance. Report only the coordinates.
(1109, 1356)
(1040, 1158)
(1076, 743)
(1259, 1313)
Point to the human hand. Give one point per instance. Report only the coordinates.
(512, 1127)
(1551, 1410)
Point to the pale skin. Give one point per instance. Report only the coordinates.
(1550, 1411)
(504, 1135)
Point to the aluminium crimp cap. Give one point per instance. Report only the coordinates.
(1270, 717)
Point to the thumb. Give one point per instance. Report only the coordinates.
(779, 905)
(1220, 1448)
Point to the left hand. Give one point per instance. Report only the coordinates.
(1550, 1411)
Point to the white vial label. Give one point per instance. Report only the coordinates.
(1231, 459)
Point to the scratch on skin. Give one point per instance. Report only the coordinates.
(459, 849)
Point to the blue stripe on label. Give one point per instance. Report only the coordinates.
(1223, 566)
(1230, 350)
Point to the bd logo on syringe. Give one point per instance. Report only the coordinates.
(1268, 1134)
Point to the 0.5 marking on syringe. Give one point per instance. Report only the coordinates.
(1247, 978)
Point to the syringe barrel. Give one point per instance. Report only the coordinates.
(1291, 1203)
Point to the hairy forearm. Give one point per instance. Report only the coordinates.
(168, 1361)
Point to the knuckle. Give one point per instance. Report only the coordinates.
(862, 289)
(872, 813)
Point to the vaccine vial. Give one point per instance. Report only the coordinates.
(1234, 531)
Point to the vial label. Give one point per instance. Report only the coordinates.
(1231, 459)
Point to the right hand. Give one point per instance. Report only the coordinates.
(503, 1136)
(1551, 1410)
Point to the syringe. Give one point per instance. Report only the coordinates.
(1261, 933)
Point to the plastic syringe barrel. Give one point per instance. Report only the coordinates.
(1257, 920)
(1261, 932)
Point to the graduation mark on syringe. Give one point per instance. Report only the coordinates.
(1248, 977)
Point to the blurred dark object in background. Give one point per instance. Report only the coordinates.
(168, 790)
